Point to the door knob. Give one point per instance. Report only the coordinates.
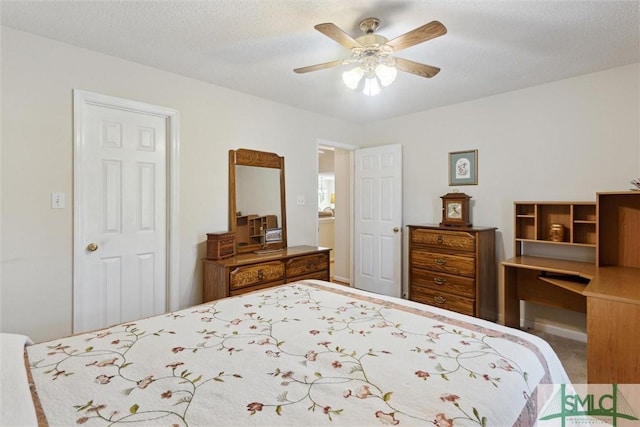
(396, 229)
(92, 247)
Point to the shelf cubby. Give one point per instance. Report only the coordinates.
(584, 223)
(553, 214)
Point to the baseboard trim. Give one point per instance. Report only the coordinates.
(342, 280)
(555, 330)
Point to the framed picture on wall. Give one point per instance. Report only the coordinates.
(463, 167)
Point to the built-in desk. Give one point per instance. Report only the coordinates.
(539, 280)
(610, 298)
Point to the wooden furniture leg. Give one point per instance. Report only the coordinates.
(510, 302)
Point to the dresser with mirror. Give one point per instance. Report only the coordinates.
(258, 220)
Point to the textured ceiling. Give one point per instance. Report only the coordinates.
(253, 45)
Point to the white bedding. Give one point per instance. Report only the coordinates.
(16, 407)
(308, 353)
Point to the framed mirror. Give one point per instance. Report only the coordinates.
(257, 207)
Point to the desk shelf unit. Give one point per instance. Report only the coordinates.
(611, 299)
(533, 220)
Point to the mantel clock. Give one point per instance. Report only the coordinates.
(455, 210)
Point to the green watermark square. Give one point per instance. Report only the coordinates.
(589, 405)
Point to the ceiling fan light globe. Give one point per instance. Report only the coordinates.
(386, 74)
(352, 77)
(371, 87)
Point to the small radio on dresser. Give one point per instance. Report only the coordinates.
(221, 245)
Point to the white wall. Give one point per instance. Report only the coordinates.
(38, 76)
(565, 140)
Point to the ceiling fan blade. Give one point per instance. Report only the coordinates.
(318, 67)
(416, 68)
(421, 34)
(333, 32)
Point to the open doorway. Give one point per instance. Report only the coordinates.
(327, 203)
(335, 165)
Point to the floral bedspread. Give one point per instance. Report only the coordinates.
(303, 354)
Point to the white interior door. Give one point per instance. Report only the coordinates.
(121, 243)
(378, 219)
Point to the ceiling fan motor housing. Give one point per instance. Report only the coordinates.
(370, 25)
(372, 39)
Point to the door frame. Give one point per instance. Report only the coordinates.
(81, 99)
(351, 148)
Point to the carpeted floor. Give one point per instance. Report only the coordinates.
(573, 355)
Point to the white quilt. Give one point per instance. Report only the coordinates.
(308, 353)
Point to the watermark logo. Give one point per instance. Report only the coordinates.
(591, 404)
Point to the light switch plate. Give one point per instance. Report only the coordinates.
(57, 200)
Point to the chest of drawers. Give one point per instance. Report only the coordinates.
(250, 272)
(454, 268)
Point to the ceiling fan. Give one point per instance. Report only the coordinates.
(373, 54)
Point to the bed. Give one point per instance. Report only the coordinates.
(307, 353)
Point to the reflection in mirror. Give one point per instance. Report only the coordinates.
(257, 200)
(257, 203)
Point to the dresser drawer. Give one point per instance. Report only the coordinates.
(319, 275)
(445, 263)
(261, 286)
(442, 282)
(250, 275)
(443, 300)
(306, 264)
(455, 240)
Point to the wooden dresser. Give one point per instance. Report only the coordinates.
(250, 271)
(454, 268)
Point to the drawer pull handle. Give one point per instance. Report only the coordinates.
(441, 261)
(309, 265)
(260, 275)
(439, 300)
(439, 280)
(440, 239)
